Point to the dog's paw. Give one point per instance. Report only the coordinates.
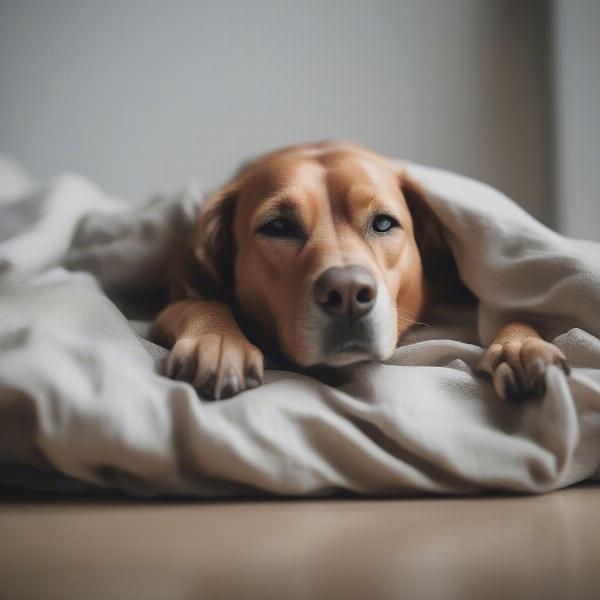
(218, 366)
(518, 369)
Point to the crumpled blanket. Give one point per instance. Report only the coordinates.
(84, 404)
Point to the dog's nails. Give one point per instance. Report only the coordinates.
(231, 385)
(537, 378)
(207, 388)
(254, 375)
(539, 386)
(252, 382)
(513, 391)
(539, 367)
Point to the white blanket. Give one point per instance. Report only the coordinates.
(82, 395)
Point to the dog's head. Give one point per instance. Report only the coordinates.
(320, 248)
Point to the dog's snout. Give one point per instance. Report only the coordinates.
(346, 291)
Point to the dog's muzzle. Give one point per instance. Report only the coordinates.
(346, 297)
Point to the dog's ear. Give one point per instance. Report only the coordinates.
(205, 268)
(439, 266)
(428, 230)
(214, 243)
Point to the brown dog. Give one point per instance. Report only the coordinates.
(321, 254)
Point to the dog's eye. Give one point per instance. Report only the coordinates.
(384, 223)
(281, 228)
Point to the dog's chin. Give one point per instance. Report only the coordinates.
(351, 354)
(343, 359)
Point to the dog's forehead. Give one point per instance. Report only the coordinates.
(284, 174)
(352, 178)
(339, 177)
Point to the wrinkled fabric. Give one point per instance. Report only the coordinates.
(83, 397)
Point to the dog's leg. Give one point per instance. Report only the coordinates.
(517, 361)
(208, 349)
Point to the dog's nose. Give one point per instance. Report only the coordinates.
(346, 291)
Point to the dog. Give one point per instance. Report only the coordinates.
(321, 254)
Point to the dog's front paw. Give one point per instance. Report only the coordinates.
(217, 365)
(518, 369)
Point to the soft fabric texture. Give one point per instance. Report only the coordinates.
(83, 399)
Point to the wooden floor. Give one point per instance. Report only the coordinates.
(510, 547)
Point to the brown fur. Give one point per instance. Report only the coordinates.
(234, 283)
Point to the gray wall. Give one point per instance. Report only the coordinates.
(577, 113)
(142, 96)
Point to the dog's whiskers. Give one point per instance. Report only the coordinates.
(411, 318)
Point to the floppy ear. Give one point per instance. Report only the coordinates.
(205, 268)
(439, 265)
(428, 230)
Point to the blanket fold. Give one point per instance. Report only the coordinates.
(83, 396)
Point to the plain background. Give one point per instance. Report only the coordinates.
(144, 96)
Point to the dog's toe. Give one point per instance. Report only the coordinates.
(519, 369)
(536, 377)
(508, 383)
(218, 366)
(181, 363)
(230, 385)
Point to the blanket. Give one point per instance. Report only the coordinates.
(85, 405)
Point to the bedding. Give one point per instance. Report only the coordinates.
(84, 404)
